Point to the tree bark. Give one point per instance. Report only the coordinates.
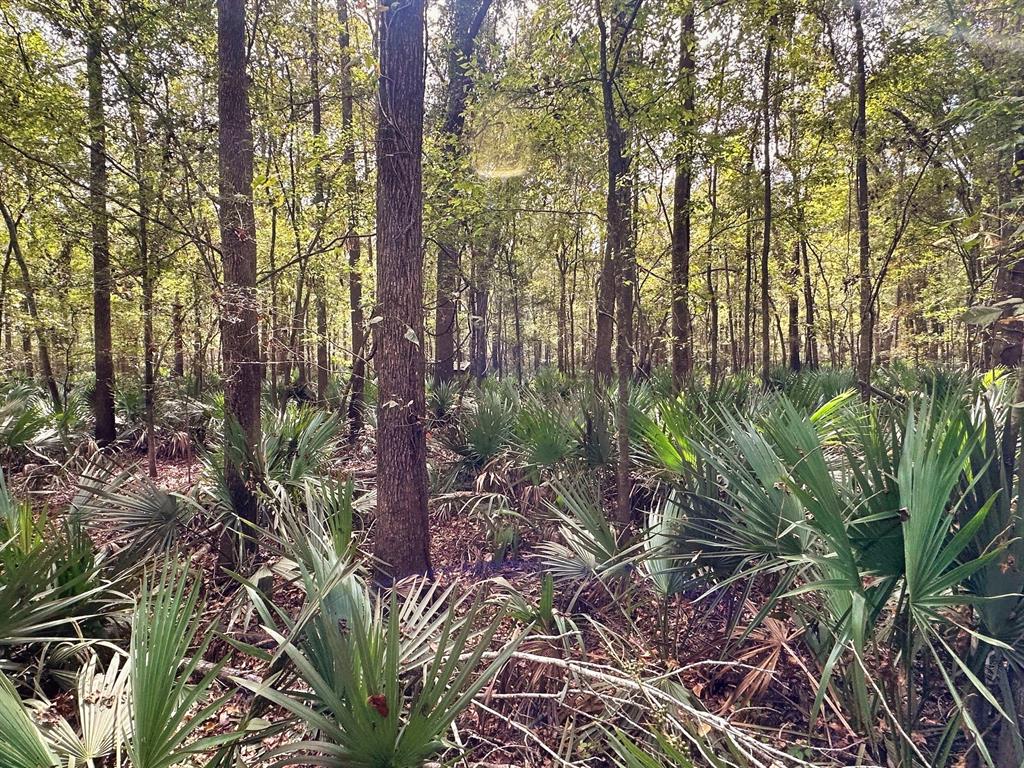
(357, 376)
(766, 237)
(860, 134)
(401, 533)
(794, 310)
(467, 18)
(146, 268)
(682, 343)
(178, 337)
(30, 303)
(103, 398)
(239, 304)
(618, 206)
(323, 367)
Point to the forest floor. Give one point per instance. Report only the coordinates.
(764, 684)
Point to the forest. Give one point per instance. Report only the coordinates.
(503, 383)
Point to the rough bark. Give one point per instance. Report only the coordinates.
(401, 539)
(239, 303)
(103, 397)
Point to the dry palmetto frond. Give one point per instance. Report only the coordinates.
(764, 647)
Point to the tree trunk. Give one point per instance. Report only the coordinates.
(178, 334)
(146, 268)
(712, 327)
(357, 375)
(479, 299)
(766, 237)
(860, 135)
(467, 18)
(620, 243)
(794, 310)
(682, 351)
(748, 256)
(30, 304)
(323, 368)
(239, 304)
(103, 398)
(401, 533)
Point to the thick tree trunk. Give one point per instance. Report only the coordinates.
(860, 135)
(103, 398)
(239, 303)
(401, 534)
(682, 343)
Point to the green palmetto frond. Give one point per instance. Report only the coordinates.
(22, 744)
(590, 549)
(166, 708)
(485, 429)
(364, 711)
(144, 515)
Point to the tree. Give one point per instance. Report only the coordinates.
(103, 397)
(682, 354)
(467, 18)
(239, 325)
(766, 237)
(620, 257)
(352, 242)
(401, 533)
(860, 139)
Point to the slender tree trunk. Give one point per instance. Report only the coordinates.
(712, 327)
(357, 380)
(766, 238)
(810, 333)
(147, 269)
(239, 303)
(26, 347)
(103, 398)
(682, 343)
(323, 368)
(794, 310)
(860, 134)
(33, 311)
(619, 202)
(748, 256)
(401, 533)
(467, 18)
(198, 351)
(178, 334)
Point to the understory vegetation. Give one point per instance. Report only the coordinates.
(808, 578)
